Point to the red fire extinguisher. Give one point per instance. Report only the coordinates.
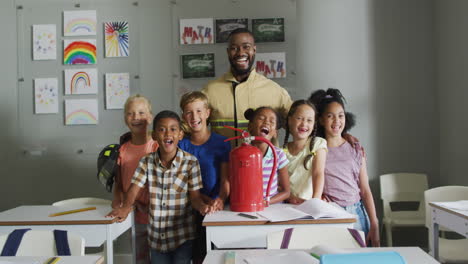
(246, 175)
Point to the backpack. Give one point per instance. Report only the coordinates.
(107, 165)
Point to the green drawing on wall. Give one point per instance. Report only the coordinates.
(198, 66)
(268, 29)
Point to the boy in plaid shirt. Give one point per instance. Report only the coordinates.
(174, 181)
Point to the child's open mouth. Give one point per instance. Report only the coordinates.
(303, 130)
(264, 131)
(195, 123)
(168, 142)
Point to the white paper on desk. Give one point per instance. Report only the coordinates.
(317, 209)
(38, 260)
(456, 205)
(283, 257)
(282, 214)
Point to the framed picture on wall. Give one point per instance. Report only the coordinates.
(225, 26)
(198, 65)
(268, 29)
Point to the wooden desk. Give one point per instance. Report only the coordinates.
(63, 260)
(228, 230)
(92, 225)
(412, 255)
(455, 220)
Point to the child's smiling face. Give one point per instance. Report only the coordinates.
(196, 114)
(264, 124)
(167, 133)
(138, 116)
(333, 120)
(301, 123)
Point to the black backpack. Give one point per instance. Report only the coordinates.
(107, 165)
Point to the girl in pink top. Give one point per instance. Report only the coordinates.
(137, 115)
(346, 180)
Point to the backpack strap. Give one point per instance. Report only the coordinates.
(61, 243)
(13, 242)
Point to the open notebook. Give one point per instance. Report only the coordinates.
(313, 208)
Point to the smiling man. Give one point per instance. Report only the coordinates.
(242, 87)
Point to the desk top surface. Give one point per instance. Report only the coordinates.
(39, 215)
(460, 213)
(63, 260)
(412, 255)
(230, 218)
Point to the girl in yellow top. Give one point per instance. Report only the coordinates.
(306, 153)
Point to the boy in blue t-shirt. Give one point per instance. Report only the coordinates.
(212, 153)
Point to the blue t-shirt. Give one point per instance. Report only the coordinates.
(210, 155)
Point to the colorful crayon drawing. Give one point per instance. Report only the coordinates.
(272, 65)
(44, 42)
(79, 23)
(81, 51)
(81, 81)
(81, 112)
(46, 95)
(196, 31)
(116, 34)
(117, 90)
(225, 26)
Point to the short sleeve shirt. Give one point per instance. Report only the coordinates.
(171, 214)
(267, 165)
(300, 178)
(210, 155)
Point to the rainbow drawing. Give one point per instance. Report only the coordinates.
(79, 23)
(81, 112)
(79, 51)
(81, 81)
(116, 34)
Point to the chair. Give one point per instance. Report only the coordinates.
(311, 236)
(450, 250)
(402, 187)
(82, 201)
(42, 243)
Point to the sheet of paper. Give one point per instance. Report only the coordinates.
(318, 209)
(282, 257)
(282, 214)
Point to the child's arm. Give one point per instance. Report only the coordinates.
(118, 196)
(368, 199)
(318, 173)
(198, 203)
(122, 212)
(283, 186)
(223, 188)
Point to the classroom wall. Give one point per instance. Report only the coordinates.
(381, 53)
(452, 92)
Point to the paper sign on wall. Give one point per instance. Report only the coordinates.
(117, 90)
(81, 81)
(196, 31)
(46, 95)
(272, 65)
(79, 23)
(81, 112)
(44, 42)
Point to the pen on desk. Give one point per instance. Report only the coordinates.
(52, 260)
(73, 211)
(248, 216)
(315, 255)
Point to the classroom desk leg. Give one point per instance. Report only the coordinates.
(134, 256)
(208, 239)
(110, 246)
(435, 235)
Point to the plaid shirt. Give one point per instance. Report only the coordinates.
(171, 215)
